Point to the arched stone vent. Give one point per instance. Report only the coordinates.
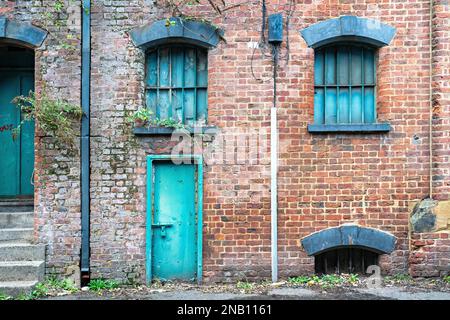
(348, 248)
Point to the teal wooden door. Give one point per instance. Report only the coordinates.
(16, 156)
(174, 226)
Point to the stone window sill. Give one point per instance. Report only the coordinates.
(161, 131)
(349, 128)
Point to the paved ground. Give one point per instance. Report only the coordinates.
(417, 290)
(277, 294)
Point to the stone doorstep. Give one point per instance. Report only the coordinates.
(16, 205)
(21, 271)
(15, 288)
(16, 208)
(9, 220)
(16, 235)
(21, 252)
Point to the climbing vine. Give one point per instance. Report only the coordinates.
(58, 17)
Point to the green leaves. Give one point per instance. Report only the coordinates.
(64, 284)
(102, 284)
(144, 117)
(168, 123)
(58, 5)
(39, 291)
(142, 114)
(299, 280)
(5, 297)
(170, 23)
(243, 285)
(398, 278)
(55, 117)
(326, 280)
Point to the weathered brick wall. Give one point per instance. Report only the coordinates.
(441, 99)
(430, 251)
(57, 169)
(362, 178)
(324, 180)
(430, 255)
(331, 179)
(117, 175)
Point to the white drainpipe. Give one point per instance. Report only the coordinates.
(274, 169)
(273, 191)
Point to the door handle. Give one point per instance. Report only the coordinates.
(163, 227)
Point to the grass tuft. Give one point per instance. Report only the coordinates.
(102, 284)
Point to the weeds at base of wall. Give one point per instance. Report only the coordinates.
(398, 278)
(98, 285)
(447, 279)
(52, 286)
(59, 287)
(327, 280)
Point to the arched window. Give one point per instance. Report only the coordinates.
(176, 77)
(345, 73)
(177, 82)
(344, 84)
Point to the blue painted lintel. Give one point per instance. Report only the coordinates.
(350, 128)
(348, 28)
(178, 31)
(350, 235)
(22, 33)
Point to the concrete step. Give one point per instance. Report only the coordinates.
(10, 220)
(22, 270)
(16, 235)
(15, 288)
(16, 205)
(22, 252)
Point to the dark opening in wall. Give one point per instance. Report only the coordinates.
(345, 260)
(17, 58)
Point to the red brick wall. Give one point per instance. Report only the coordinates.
(324, 180)
(441, 99)
(430, 255)
(430, 251)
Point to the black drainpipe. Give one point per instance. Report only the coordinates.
(85, 135)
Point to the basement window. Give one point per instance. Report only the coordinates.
(345, 260)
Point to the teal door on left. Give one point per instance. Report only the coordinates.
(174, 224)
(16, 155)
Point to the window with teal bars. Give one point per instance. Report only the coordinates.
(177, 83)
(344, 85)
